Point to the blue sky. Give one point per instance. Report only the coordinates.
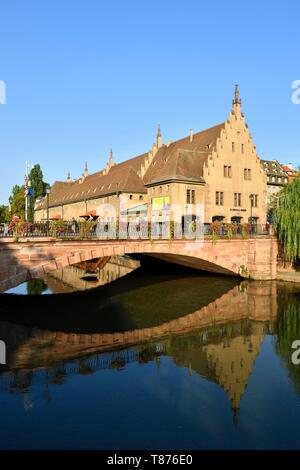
(85, 75)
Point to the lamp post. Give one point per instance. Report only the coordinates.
(251, 197)
(47, 199)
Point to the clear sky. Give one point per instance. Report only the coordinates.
(85, 75)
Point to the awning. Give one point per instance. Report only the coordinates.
(91, 214)
(55, 217)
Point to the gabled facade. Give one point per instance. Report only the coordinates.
(218, 167)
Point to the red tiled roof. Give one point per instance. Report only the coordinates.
(183, 159)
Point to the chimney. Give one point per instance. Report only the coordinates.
(191, 135)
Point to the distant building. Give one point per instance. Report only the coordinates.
(276, 178)
(217, 168)
(290, 171)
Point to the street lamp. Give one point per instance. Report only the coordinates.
(251, 197)
(47, 199)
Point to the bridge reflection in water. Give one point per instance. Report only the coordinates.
(219, 341)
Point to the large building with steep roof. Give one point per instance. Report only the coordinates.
(217, 168)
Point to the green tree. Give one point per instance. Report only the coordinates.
(287, 219)
(17, 201)
(38, 186)
(4, 214)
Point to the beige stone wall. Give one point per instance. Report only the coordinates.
(100, 205)
(178, 194)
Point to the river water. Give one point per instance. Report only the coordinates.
(157, 357)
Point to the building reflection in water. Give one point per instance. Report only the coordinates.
(219, 341)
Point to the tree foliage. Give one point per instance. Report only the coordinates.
(287, 219)
(4, 214)
(17, 201)
(38, 186)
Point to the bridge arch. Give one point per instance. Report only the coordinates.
(255, 258)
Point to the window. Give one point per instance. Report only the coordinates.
(193, 196)
(247, 174)
(227, 171)
(188, 196)
(219, 198)
(130, 196)
(141, 197)
(242, 148)
(160, 189)
(237, 199)
(232, 146)
(254, 200)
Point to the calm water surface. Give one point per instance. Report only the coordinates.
(175, 360)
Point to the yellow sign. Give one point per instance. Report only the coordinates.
(160, 203)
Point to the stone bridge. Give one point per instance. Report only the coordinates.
(254, 258)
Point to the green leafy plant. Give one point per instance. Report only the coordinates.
(57, 228)
(229, 231)
(287, 219)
